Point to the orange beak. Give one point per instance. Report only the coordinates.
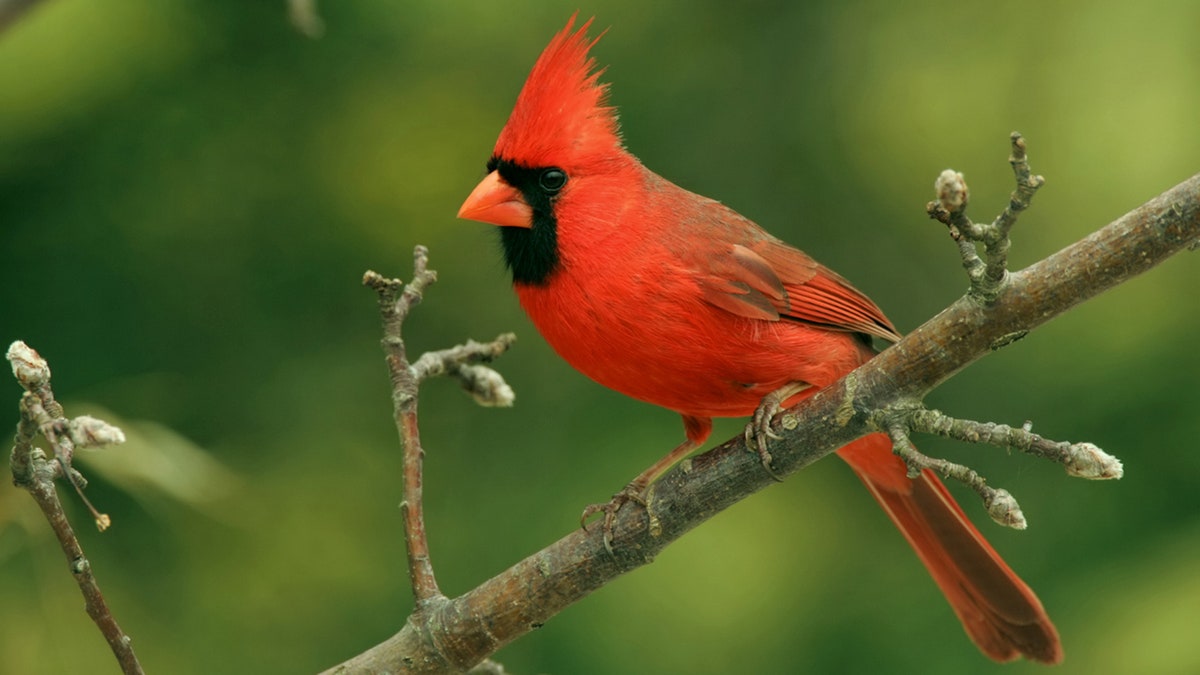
(498, 203)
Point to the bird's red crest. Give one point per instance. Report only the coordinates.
(562, 110)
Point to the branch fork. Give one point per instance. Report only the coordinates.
(1082, 460)
(987, 276)
(463, 362)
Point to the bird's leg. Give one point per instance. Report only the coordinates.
(635, 491)
(758, 431)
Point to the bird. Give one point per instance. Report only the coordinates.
(679, 301)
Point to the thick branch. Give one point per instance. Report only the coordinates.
(462, 631)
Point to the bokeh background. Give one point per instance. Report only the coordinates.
(190, 192)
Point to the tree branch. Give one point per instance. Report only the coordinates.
(951, 207)
(987, 279)
(34, 472)
(1000, 503)
(396, 301)
(456, 634)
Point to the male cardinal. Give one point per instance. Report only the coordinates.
(677, 300)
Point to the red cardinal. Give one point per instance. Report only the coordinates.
(676, 300)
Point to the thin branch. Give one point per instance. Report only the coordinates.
(1082, 460)
(996, 241)
(460, 632)
(987, 281)
(59, 432)
(34, 472)
(395, 302)
(33, 373)
(1027, 185)
(486, 386)
(950, 208)
(1000, 504)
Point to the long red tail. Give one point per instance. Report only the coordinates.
(1000, 613)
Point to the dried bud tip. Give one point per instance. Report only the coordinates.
(378, 282)
(1018, 142)
(89, 432)
(1088, 461)
(1003, 509)
(103, 522)
(951, 190)
(486, 386)
(30, 369)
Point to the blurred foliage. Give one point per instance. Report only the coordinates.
(190, 192)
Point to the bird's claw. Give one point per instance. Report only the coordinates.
(758, 431)
(630, 493)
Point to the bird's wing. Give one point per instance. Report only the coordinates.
(764, 278)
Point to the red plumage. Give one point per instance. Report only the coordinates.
(677, 300)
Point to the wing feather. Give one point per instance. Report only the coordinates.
(767, 279)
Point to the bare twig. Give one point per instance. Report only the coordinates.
(34, 472)
(1000, 505)
(950, 208)
(33, 373)
(987, 282)
(1082, 460)
(58, 431)
(396, 301)
(484, 385)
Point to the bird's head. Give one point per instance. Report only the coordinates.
(561, 135)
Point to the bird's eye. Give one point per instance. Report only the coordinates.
(552, 180)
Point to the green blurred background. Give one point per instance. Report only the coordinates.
(190, 192)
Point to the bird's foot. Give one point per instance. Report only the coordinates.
(630, 493)
(758, 431)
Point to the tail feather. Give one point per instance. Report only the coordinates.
(1000, 612)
